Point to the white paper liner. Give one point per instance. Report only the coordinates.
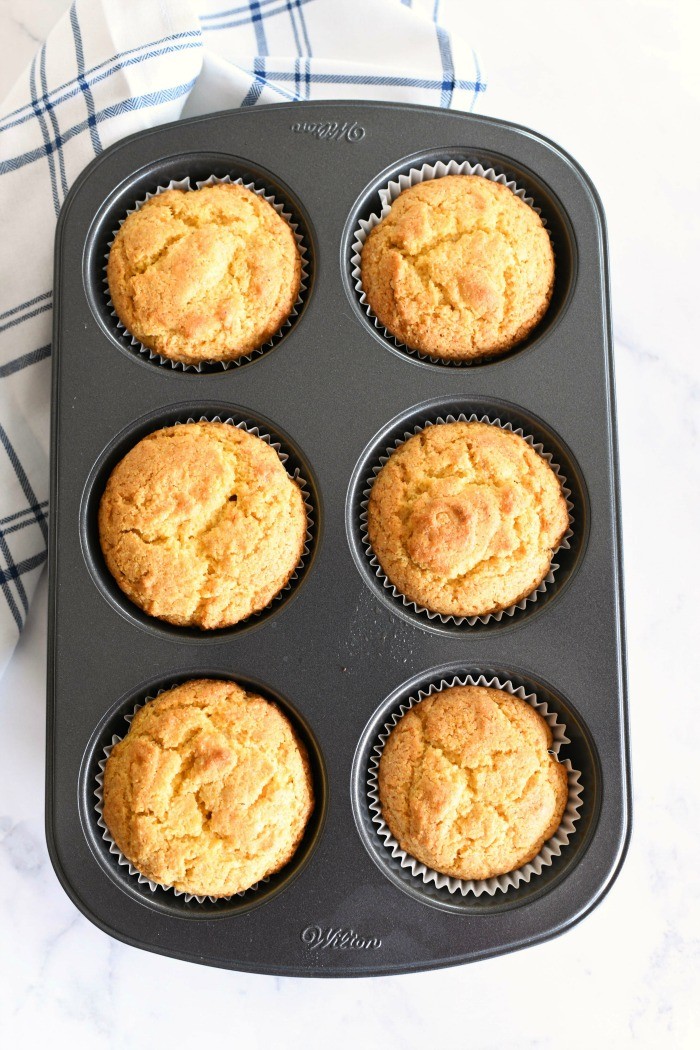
(114, 849)
(552, 848)
(387, 196)
(213, 180)
(421, 609)
(297, 476)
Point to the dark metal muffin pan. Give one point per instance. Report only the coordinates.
(337, 652)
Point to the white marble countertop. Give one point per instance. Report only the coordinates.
(616, 85)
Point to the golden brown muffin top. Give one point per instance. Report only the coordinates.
(467, 785)
(201, 525)
(209, 791)
(459, 268)
(464, 518)
(204, 275)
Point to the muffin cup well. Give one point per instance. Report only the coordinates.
(483, 618)
(123, 861)
(387, 196)
(551, 849)
(213, 180)
(97, 565)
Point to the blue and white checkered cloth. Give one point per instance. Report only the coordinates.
(113, 67)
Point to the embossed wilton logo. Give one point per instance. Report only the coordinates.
(331, 130)
(315, 937)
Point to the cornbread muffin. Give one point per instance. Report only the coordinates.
(464, 518)
(204, 275)
(209, 791)
(201, 525)
(459, 269)
(466, 783)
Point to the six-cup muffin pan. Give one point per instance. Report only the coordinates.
(339, 652)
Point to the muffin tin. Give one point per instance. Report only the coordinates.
(338, 652)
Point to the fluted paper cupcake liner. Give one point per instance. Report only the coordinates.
(297, 476)
(387, 196)
(123, 861)
(421, 609)
(551, 849)
(213, 180)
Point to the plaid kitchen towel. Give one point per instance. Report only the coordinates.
(112, 68)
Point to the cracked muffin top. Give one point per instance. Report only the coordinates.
(204, 275)
(467, 785)
(209, 791)
(460, 268)
(201, 525)
(464, 518)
